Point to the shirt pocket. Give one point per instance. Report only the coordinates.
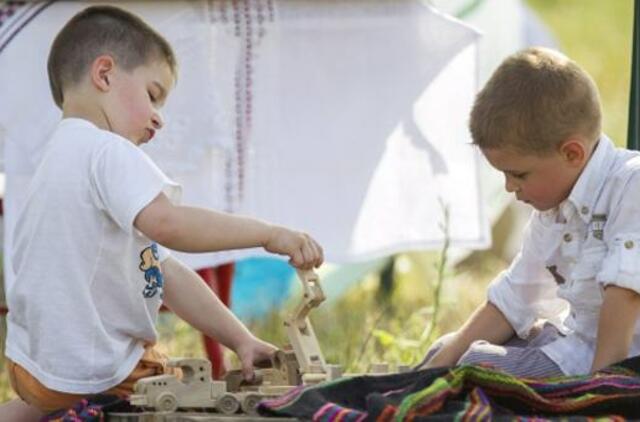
(570, 245)
(585, 291)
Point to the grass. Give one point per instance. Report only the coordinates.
(370, 324)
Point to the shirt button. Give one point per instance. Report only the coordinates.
(567, 237)
(584, 210)
(629, 244)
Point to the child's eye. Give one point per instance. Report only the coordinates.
(520, 175)
(151, 97)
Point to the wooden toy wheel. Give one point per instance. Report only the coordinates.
(167, 402)
(228, 404)
(250, 404)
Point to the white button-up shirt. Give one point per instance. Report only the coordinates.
(570, 253)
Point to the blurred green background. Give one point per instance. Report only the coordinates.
(597, 34)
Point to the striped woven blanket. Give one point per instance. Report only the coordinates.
(467, 393)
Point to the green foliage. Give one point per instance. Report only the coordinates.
(363, 327)
(6, 393)
(597, 35)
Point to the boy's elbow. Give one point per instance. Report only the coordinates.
(159, 221)
(165, 233)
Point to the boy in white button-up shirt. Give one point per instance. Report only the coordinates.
(91, 269)
(569, 302)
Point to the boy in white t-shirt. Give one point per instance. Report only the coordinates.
(91, 273)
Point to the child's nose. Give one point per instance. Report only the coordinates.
(157, 121)
(509, 185)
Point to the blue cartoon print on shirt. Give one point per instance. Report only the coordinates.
(150, 265)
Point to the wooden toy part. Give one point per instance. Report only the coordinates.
(228, 404)
(282, 371)
(299, 330)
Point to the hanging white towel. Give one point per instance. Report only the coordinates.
(343, 118)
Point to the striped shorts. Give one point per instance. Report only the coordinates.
(518, 357)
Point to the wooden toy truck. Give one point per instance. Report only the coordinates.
(196, 389)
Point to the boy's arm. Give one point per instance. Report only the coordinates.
(191, 229)
(618, 316)
(189, 298)
(486, 323)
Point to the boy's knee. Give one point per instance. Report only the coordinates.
(479, 351)
(440, 342)
(18, 410)
(36, 395)
(435, 347)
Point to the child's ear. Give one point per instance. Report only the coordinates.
(574, 152)
(102, 71)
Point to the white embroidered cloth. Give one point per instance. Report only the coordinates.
(345, 119)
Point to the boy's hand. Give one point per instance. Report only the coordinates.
(254, 351)
(304, 252)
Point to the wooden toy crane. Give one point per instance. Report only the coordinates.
(303, 362)
(300, 331)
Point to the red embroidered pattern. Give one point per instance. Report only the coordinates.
(15, 16)
(8, 8)
(249, 19)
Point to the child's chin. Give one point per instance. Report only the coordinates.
(539, 207)
(528, 203)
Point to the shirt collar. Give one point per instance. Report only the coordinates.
(586, 190)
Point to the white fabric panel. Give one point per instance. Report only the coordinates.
(346, 119)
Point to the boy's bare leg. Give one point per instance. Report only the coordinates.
(18, 411)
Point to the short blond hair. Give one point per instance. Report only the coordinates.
(99, 30)
(535, 100)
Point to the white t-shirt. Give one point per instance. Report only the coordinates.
(88, 284)
(570, 253)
